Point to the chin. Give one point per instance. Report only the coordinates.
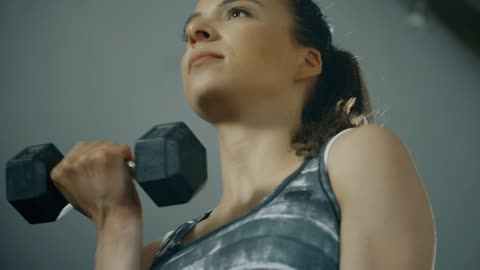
(211, 103)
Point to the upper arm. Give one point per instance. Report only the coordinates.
(149, 251)
(386, 220)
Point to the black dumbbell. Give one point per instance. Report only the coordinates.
(170, 165)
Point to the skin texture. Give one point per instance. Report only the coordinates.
(387, 221)
(94, 179)
(97, 166)
(252, 96)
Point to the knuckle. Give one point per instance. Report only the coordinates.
(68, 167)
(81, 161)
(79, 143)
(125, 148)
(100, 156)
(54, 174)
(59, 171)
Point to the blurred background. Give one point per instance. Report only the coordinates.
(104, 69)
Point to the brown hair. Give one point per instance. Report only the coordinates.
(339, 98)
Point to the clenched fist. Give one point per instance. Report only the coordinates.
(94, 178)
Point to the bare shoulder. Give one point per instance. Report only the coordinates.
(384, 208)
(360, 151)
(149, 251)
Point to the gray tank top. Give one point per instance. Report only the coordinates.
(295, 227)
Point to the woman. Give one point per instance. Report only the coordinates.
(270, 82)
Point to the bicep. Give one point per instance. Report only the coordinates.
(386, 218)
(387, 242)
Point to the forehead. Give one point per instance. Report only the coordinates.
(212, 4)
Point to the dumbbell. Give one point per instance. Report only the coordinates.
(170, 165)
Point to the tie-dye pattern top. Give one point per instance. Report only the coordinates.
(296, 226)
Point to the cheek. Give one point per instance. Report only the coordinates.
(267, 51)
(183, 64)
(184, 70)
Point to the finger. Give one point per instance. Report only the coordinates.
(77, 147)
(119, 149)
(89, 147)
(86, 151)
(70, 160)
(125, 151)
(59, 170)
(114, 151)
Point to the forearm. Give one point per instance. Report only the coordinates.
(119, 244)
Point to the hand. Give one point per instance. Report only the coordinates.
(94, 178)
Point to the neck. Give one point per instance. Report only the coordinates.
(253, 162)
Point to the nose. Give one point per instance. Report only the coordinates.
(199, 30)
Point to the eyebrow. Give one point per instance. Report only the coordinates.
(223, 3)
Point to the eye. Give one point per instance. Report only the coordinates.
(236, 10)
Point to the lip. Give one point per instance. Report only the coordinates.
(199, 55)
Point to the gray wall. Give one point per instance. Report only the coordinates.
(86, 70)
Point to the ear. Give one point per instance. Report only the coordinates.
(309, 64)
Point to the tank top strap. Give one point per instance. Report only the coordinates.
(323, 174)
(170, 243)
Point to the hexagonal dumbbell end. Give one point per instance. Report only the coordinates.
(29, 187)
(171, 164)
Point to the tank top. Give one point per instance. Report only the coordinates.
(296, 226)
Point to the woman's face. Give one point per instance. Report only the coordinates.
(258, 52)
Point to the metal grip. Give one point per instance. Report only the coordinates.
(131, 168)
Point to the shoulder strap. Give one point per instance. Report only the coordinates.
(330, 142)
(323, 176)
(170, 242)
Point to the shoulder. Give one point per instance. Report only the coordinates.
(370, 159)
(358, 138)
(364, 154)
(382, 200)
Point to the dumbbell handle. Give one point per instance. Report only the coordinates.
(131, 169)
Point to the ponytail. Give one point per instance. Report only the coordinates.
(339, 98)
(347, 87)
